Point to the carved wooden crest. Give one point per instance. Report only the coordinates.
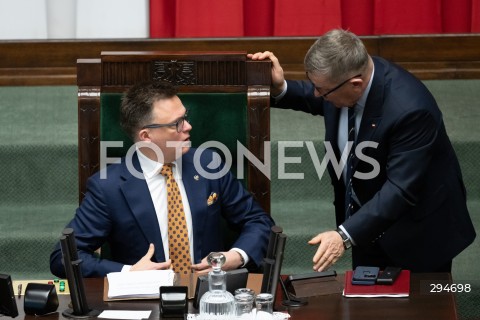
(176, 72)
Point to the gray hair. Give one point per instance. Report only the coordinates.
(337, 54)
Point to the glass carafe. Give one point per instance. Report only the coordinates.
(217, 303)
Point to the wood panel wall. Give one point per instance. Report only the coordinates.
(53, 62)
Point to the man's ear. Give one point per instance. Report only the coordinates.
(357, 82)
(143, 135)
(357, 85)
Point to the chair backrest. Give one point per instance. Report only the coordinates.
(227, 97)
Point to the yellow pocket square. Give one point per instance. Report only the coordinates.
(212, 198)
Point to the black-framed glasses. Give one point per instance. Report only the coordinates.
(340, 85)
(177, 124)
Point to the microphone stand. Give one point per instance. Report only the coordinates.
(289, 302)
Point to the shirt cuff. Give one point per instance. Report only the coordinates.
(126, 268)
(347, 234)
(282, 94)
(243, 254)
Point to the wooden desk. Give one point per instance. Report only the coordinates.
(420, 305)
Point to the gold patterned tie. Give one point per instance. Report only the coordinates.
(178, 243)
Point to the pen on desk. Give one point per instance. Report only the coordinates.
(20, 290)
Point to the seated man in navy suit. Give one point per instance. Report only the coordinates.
(126, 204)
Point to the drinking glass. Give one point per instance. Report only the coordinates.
(264, 306)
(244, 306)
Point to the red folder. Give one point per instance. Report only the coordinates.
(400, 288)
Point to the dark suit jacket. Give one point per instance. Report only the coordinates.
(119, 211)
(416, 206)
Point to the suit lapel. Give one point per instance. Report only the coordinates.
(138, 197)
(373, 111)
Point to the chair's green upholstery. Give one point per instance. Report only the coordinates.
(110, 124)
(220, 117)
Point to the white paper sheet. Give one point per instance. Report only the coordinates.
(125, 314)
(138, 284)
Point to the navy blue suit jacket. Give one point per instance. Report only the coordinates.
(416, 206)
(119, 211)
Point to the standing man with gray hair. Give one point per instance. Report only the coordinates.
(400, 199)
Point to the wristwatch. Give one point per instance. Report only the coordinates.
(347, 244)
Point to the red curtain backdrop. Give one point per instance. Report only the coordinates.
(306, 17)
(266, 18)
(357, 16)
(407, 16)
(475, 15)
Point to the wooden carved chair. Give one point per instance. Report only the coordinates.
(227, 97)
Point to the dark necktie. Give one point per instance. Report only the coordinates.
(178, 243)
(349, 164)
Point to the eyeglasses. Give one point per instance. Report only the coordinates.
(177, 124)
(340, 85)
